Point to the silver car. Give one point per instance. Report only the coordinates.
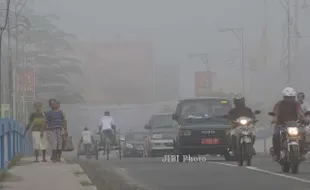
(160, 135)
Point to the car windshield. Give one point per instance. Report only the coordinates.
(135, 136)
(161, 121)
(208, 110)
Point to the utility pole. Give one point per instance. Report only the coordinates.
(18, 9)
(11, 100)
(288, 42)
(2, 29)
(287, 8)
(238, 32)
(296, 16)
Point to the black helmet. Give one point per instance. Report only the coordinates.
(239, 100)
(107, 113)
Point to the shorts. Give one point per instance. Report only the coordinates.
(38, 142)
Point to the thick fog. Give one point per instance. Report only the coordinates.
(174, 30)
(182, 27)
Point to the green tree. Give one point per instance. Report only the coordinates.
(49, 50)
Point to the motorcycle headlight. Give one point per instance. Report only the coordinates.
(292, 130)
(129, 145)
(243, 121)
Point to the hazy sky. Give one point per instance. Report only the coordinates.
(179, 27)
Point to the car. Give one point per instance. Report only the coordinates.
(160, 135)
(202, 127)
(133, 144)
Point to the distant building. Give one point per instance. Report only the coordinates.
(118, 72)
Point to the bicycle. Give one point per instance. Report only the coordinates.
(106, 147)
(119, 144)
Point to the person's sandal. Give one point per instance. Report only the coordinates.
(44, 160)
(36, 161)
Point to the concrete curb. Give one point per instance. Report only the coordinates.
(78, 172)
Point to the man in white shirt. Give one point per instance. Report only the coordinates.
(107, 127)
(87, 139)
(301, 99)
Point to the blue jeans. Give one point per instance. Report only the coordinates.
(276, 139)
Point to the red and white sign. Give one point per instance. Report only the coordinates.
(26, 79)
(203, 83)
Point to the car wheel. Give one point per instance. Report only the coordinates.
(228, 157)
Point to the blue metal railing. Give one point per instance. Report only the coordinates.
(12, 141)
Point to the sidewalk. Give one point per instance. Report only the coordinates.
(28, 175)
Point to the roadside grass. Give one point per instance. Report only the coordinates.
(78, 173)
(5, 174)
(103, 178)
(85, 183)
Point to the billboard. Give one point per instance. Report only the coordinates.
(121, 72)
(203, 83)
(26, 83)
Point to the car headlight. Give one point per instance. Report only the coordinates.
(129, 145)
(157, 136)
(243, 121)
(292, 130)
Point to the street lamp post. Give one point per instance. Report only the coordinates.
(3, 26)
(238, 32)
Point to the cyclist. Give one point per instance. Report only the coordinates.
(87, 139)
(107, 128)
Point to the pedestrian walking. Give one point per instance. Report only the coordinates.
(38, 123)
(56, 122)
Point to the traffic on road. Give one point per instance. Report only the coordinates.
(209, 143)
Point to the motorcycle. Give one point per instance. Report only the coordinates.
(290, 137)
(245, 131)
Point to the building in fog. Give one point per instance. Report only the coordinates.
(118, 72)
(167, 82)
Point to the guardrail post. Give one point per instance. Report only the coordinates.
(21, 143)
(14, 133)
(2, 147)
(9, 140)
(18, 139)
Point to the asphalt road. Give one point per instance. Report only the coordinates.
(216, 174)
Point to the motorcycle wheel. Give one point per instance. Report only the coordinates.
(285, 167)
(295, 159)
(241, 154)
(248, 152)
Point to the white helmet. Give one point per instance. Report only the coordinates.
(289, 91)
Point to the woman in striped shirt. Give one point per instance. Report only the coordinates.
(56, 122)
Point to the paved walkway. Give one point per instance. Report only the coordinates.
(28, 175)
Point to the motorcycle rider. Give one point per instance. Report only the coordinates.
(301, 99)
(239, 110)
(286, 110)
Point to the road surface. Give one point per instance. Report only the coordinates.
(215, 174)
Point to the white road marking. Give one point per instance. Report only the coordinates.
(226, 164)
(278, 174)
(266, 171)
